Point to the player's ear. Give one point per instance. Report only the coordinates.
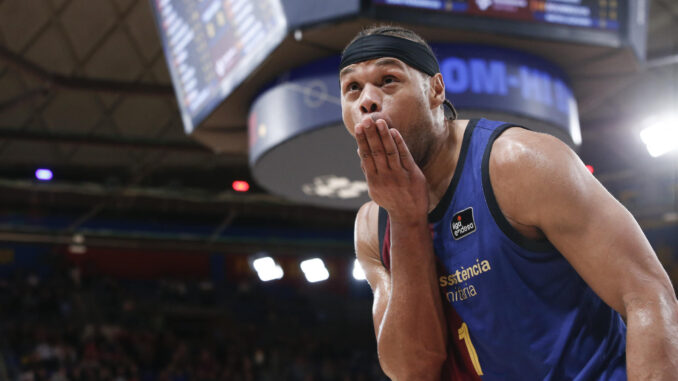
(437, 92)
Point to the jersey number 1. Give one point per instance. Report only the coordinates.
(464, 335)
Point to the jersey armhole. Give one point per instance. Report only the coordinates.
(383, 224)
(515, 236)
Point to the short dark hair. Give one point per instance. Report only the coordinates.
(398, 31)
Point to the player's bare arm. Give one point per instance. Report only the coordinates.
(544, 189)
(407, 311)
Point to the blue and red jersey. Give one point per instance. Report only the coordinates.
(515, 308)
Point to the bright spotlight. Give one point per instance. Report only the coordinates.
(660, 135)
(43, 174)
(267, 269)
(314, 270)
(358, 272)
(240, 186)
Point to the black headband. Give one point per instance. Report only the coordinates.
(374, 46)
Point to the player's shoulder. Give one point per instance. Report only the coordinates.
(367, 218)
(525, 168)
(521, 152)
(529, 170)
(367, 229)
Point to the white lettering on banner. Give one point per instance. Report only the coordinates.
(494, 77)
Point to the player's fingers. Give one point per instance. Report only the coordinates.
(364, 152)
(376, 145)
(406, 159)
(390, 149)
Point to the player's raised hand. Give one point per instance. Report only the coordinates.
(394, 180)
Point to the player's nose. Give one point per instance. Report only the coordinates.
(370, 100)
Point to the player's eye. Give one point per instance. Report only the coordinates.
(353, 86)
(388, 79)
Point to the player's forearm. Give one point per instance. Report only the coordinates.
(652, 336)
(411, 339)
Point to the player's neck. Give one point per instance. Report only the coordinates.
(440, 168)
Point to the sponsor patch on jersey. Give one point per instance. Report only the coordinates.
(462, 223)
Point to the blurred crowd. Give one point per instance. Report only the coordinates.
(70, 327)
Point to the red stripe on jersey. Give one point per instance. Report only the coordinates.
(458, 365)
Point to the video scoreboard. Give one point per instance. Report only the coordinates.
(211, 46)
(597, 14)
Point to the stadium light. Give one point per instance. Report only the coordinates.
(43, 174)
(314, 270)
(267, 269)
(660, 135)
(358, 272)
(240, 186)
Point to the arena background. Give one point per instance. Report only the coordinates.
(136, 260)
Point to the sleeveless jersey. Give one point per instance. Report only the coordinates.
(515, 308)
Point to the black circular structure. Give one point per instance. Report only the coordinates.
(299, 147)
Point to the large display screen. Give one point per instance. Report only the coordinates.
(211, 46)
(598, 14)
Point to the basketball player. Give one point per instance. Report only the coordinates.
(503, 258)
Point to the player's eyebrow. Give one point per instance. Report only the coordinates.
(389, 62)
(346, 71)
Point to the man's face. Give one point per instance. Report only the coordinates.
(386, 88)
